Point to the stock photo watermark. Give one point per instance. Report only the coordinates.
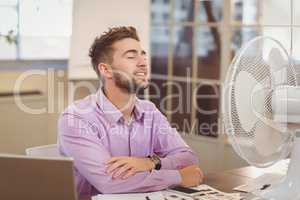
(61, 93)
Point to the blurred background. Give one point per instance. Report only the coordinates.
(44, 63)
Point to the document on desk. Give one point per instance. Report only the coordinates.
(206, 193)
(260, 183)
(132, 196)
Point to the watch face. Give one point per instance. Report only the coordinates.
(158, 166)
(157, 162)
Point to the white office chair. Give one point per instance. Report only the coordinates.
(44, 151)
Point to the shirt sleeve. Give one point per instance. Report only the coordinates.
(79, 140)
(170, 147)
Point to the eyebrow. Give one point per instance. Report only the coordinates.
(134, 51)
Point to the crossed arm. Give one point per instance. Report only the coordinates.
(124, 174)
(174, 153)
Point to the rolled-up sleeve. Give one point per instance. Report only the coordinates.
(174, 152)
(80, 140)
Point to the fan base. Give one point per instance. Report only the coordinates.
(288, 189)
(283, 191)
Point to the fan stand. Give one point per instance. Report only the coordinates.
(289, 188)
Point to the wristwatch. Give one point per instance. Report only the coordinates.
(156, 160)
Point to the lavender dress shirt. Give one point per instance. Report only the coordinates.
(93, 130)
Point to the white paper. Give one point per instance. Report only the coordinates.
(132, 196)
(169, 195)
(273, 175)
(260, 182)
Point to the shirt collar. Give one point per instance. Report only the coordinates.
(112, 113)
(138, 109)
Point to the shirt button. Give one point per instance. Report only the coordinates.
(112, 126)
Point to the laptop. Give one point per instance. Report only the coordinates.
(33, 178)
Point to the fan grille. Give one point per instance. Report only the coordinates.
(261, 65)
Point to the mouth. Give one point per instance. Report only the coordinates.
(141, 77)
(141, 74)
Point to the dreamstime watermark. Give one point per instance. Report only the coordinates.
(199, 127)
(58, 90)
(162, 128)
(185, 98)
(61, 93)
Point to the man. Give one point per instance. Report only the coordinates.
(119, 143)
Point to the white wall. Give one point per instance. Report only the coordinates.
(91, 18)
(20, 128)
(276, 13)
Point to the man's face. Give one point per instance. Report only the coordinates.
(130, 70)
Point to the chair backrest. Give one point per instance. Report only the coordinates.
(44, 151)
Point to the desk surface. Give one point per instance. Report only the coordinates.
(227, 180)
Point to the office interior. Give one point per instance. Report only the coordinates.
(190, 44)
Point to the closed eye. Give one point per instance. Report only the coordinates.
(131, 57)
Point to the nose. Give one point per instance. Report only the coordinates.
(142, 61)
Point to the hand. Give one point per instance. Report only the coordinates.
(124, 167)
(191, 176)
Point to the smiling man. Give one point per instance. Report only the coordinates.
(122, 144)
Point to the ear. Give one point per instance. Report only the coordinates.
(105, 70)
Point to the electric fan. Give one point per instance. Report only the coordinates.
(261, 108)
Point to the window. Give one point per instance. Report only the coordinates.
(193, 47)
(41, 29)
(8, 29)
(185, 63)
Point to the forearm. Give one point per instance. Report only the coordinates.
(141, 182)
(94, 170)
(179, 160)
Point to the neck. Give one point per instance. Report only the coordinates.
(122, 100)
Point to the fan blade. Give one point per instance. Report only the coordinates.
(278, 65)
(268, 141)
(243, 99)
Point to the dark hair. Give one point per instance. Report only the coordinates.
(101, 49)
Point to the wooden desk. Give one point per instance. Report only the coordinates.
(227, 180)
